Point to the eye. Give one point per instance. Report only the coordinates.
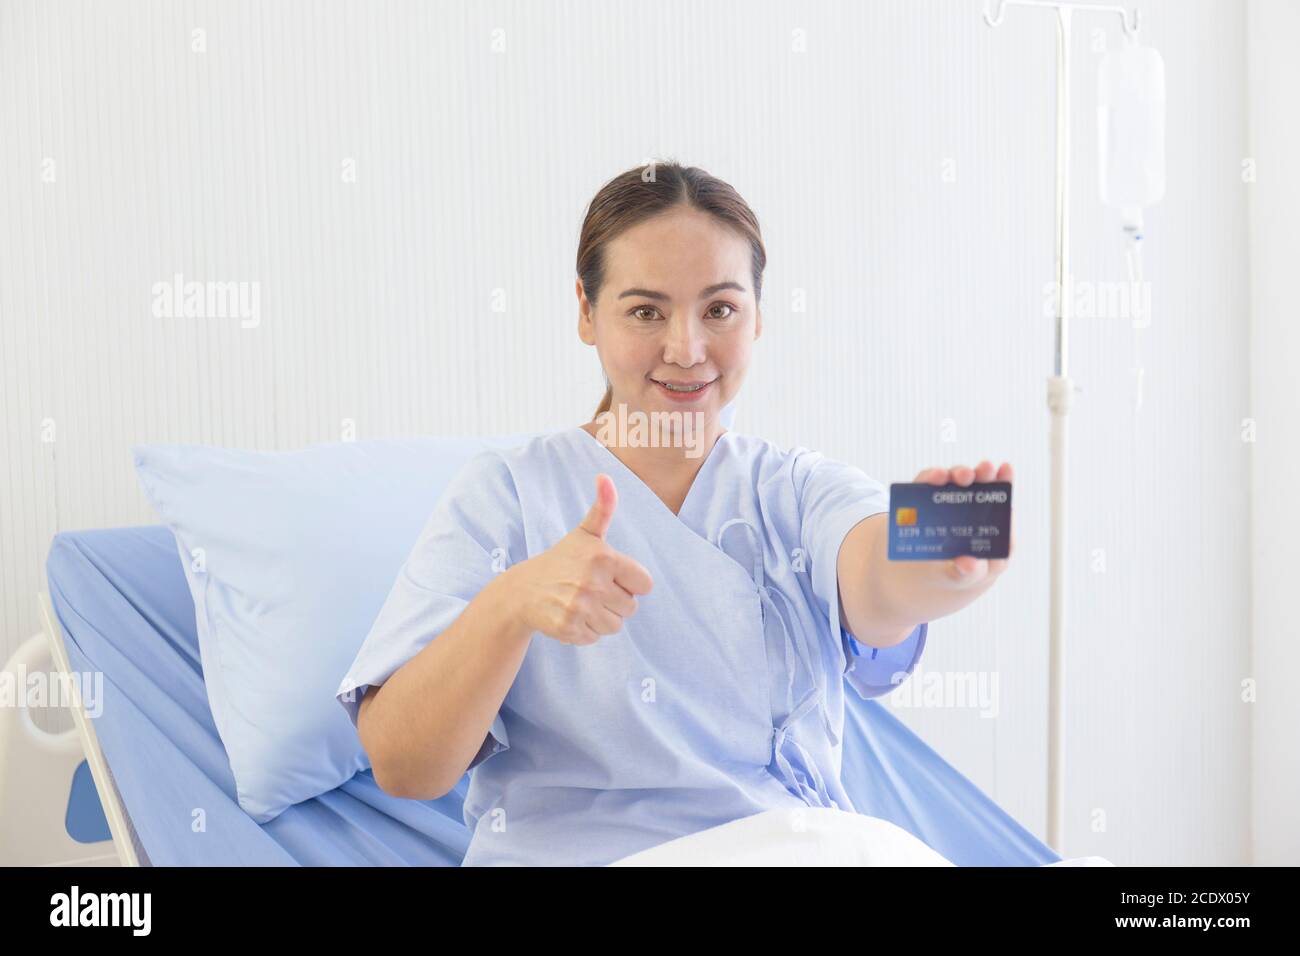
(731, 309)
(644, 308)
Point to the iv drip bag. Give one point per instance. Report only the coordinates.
(1131, 127)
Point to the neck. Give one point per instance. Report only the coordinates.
(667, 448)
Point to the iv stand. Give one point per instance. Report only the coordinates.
(1059, 391)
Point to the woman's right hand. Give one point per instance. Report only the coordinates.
(581, 589)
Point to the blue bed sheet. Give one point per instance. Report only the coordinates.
(121, 598)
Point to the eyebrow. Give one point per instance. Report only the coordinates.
(651, 294)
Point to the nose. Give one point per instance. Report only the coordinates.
(683, 342)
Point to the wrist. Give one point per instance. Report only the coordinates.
(509, 599)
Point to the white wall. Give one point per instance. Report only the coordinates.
(923, 340)
(1274, 83)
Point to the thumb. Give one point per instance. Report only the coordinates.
(602, 512)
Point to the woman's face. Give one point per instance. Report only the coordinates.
(677, 307)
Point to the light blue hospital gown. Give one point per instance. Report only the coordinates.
(723, 696)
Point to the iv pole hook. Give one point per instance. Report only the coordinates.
(1132, 29)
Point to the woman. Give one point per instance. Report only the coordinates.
(670, 656)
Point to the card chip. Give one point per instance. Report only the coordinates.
(905, 516)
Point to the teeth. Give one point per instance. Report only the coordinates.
(679, 388)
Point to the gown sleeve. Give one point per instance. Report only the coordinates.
(474, 532)
(835, 496)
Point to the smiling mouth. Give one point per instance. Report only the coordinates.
(686, 387)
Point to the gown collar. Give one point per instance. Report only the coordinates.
(698, 483)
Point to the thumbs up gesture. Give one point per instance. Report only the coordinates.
(581, 589)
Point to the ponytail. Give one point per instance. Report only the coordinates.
(604, 402)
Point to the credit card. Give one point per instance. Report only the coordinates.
(939, 522)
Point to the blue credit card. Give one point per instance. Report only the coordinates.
(937, 522)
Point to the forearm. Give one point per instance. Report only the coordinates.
(910, 592)
(883, 601)
(427, 722)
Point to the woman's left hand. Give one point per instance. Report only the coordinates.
(966, 570)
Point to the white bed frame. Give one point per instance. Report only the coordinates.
(37, 767)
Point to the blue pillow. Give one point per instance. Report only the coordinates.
(289, 557)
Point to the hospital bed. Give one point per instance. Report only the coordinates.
(118, 603)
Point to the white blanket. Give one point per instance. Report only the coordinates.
(811, 836)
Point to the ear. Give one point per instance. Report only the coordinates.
(586, 325)
(758, 322)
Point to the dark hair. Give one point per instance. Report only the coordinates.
(644, 192)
